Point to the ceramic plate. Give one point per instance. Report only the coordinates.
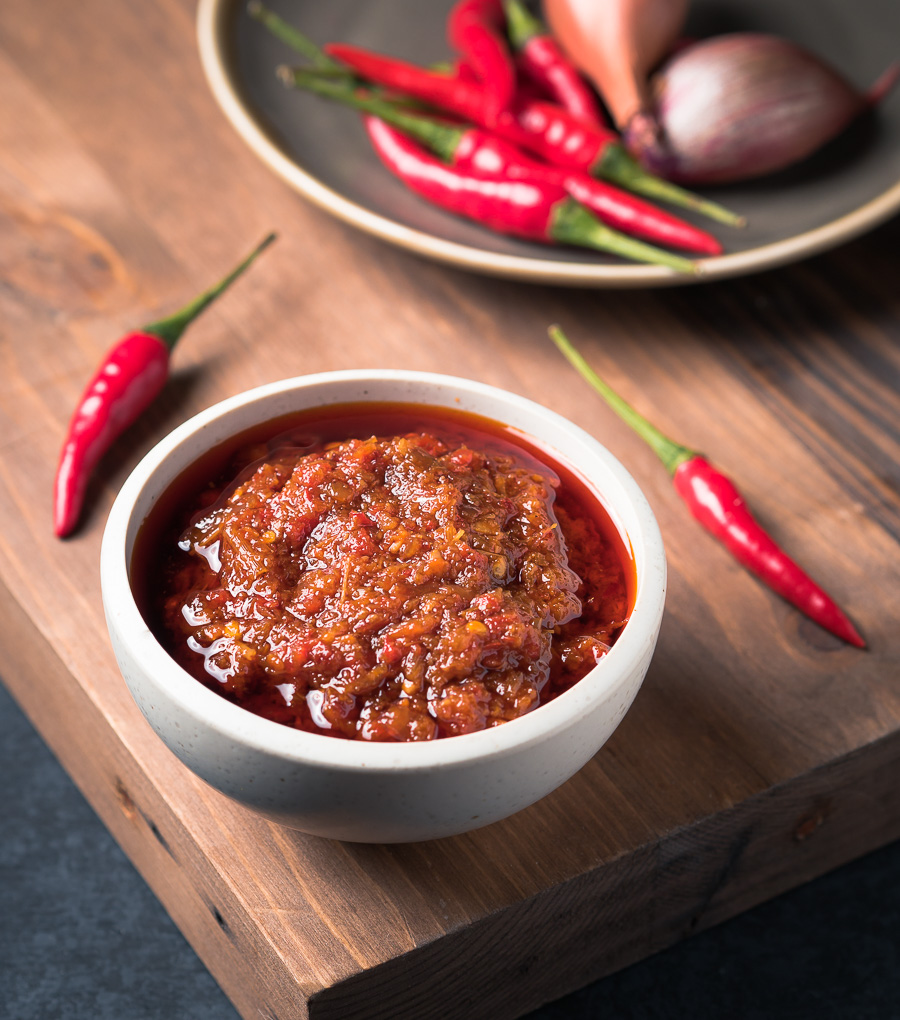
(322, 150)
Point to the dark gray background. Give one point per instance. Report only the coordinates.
(83, 938)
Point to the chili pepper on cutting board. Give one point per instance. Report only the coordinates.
(715, 502)
(480, 152)
(128, 380)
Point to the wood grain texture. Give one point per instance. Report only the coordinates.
(760, 751)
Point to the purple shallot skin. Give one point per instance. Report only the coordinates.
(739, 106)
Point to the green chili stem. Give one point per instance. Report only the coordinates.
(573, 224)
(616, 165)
(672, 454)
(442, 139)
(169, 330)
(521, 24)
(293, 37)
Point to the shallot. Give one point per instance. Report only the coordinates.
(739, 106)
(617, 43)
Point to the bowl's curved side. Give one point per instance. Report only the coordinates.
(377, 804)
(351, 789)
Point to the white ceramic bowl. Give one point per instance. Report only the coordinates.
(356, 790)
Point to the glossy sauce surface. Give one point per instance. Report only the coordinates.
(383, 572)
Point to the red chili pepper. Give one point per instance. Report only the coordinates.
(479, 152)
(542, 128)
(538, 211)
(464, 71)
(540, 57)
(634, 216)
(129, 379)
(447, 92)
(716, 503)
(475, 28)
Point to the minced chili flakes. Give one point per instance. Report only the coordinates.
(399, 588)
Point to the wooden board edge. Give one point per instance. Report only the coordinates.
(603, 921)
(578, 931)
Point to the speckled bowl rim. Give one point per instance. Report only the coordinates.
(223, 79)
(187, 442)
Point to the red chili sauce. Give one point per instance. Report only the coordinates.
(383, 572)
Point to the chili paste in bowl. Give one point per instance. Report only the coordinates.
(386, 572)
(382, 606)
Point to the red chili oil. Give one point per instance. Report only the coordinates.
(379, 637)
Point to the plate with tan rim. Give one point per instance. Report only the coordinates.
(322, 150)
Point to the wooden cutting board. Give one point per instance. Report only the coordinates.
(759, 753)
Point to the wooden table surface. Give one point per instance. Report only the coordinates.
(760, 751)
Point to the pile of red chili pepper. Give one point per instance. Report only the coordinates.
(511, 136)
(718, 506)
